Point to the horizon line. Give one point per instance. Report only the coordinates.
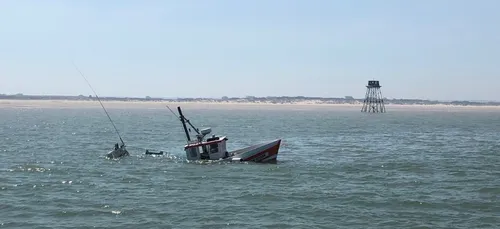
(230, 97)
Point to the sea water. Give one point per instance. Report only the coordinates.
(336, 169)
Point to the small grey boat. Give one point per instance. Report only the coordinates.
(118, 152)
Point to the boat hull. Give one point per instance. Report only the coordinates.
(117, 153)
(262, 153)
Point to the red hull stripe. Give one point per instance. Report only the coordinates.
(270, 152)
(204, 143)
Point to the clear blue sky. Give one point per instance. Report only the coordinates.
(441, 49)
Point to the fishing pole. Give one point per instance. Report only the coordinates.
(123, 143)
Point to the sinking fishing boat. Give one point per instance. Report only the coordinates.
(214, 147)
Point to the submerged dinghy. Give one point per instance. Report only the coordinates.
(118, 152)
(148, 152)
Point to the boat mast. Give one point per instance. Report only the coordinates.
(184, 124)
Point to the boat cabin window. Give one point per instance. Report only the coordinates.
(193, 152)
(214, 148)
(212, 139)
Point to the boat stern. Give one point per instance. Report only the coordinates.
(265, 152)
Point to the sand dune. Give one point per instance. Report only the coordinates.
(218, 105)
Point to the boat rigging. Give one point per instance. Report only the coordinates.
(118, 151)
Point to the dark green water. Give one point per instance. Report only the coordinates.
(336, 169)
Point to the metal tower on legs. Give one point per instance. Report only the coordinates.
(374, 102)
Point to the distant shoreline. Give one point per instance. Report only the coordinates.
(59, 103)
(278, 100)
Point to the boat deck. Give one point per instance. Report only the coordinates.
(239, 152)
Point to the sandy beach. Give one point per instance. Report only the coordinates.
(222, 105)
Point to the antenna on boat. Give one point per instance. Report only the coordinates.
(171, 111)
(184, 120)
(123, 143)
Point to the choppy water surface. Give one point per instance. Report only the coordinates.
(336, 169)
